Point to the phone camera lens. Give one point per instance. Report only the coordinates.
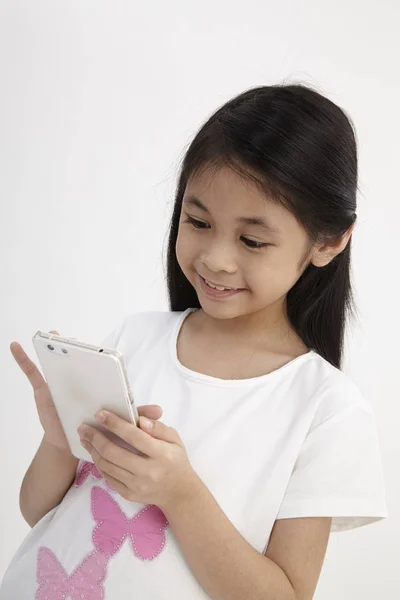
(50, 347)
(64, 351)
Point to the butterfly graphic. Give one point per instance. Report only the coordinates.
(146, 530)
(86, 469)
(84, 583)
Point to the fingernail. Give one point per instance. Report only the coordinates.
(102, 416)
(146, 423)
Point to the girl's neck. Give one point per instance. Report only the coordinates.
(263, 330)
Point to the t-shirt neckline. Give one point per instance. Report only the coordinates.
(216, 381)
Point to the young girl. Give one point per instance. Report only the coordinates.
(266, 445)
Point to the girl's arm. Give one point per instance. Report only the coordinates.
(52, 472)
(46, 482)
(53, 467)
(229, 568)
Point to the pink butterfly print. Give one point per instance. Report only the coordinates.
(85, 582)
(146, 529)
(89, 468)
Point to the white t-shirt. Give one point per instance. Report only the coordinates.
(298, 442)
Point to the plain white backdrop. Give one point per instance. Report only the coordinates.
(98, 101)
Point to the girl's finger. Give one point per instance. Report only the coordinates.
(105, 452)
(130, 433)
(28, 367)
(151, 411)
(161, 431)
(113, 471)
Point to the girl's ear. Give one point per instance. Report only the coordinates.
(323, 254)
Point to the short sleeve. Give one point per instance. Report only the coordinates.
(338, 472)
(110, 340)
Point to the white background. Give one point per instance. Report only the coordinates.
(98, 100)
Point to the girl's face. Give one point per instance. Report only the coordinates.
(218, 241)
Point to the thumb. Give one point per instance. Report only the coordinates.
(160, 431)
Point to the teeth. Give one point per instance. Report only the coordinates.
(218, 287)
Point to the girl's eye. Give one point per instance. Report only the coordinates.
(195, 223)
(254, 244)
(249, 243)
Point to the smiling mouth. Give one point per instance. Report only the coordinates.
(219, 287)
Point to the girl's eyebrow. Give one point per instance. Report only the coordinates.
(259, 221)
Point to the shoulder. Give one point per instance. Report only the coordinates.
(334, 391)
(148, 321)
(140, 329)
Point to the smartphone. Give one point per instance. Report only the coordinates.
(83, 379)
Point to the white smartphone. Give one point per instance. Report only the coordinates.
(83, 379)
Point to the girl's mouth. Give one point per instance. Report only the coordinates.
(213, 293)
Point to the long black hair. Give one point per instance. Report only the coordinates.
(300, 149)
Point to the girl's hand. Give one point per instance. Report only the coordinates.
(163, 475)
(53, 430)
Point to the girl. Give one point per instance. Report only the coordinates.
(269, 445)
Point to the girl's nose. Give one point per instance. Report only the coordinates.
(219, 258)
